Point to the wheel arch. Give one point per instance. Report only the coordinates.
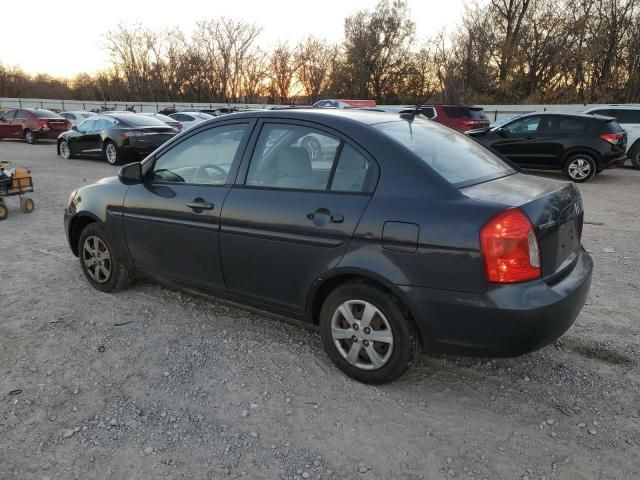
(327, 283)
(584, 150)
(77, 225)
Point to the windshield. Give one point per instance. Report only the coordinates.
(465, 112)
(459, 159)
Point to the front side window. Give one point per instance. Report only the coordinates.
(523, 126)
(87, 126)
(204, 158)
(292, 156)
(459, 159)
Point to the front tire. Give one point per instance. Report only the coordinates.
(4, 211)
(367, 334)
(580, 168)
(30, 137)
(100, 264)
(111, 152)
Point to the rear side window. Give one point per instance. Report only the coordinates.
(292, 157)
(626, 115)
(21, 115)
(460, 160)
(564, 126)
(465, 112)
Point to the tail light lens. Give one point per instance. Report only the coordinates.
(510, 248)
(43, 123)
(613, 138)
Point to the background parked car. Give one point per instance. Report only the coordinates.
(628, 116)
(76, 117)
(459, 117)
(189, 119)
(580, 145)
(32, 124)
(116, 136)
(166, 119)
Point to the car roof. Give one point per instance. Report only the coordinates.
(363, 116)
(565, 114)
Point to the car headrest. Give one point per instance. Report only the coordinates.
(294, 162)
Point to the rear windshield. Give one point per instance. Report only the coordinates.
(465, 112)
(134, 120)
(612, 126)
(46, 114)
(459, 159)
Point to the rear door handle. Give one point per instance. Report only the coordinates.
(198, 205)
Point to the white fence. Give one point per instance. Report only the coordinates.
(494, 112)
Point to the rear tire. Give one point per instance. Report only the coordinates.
(30, 137)
(634, 155)
(4, 211)
(99, 261)
(111, 153)
(375, 347)
(580, 168)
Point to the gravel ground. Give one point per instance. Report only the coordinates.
(154, 383)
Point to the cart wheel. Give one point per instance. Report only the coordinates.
(4, 212)
(26, 204)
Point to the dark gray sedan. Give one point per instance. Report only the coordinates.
(397, 234)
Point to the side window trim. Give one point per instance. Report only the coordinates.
(243, 171)
(149, 166)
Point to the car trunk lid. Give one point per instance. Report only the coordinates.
(555, 211)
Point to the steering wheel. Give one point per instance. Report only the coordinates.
(203, 170)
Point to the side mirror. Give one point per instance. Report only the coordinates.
(130, 173)
(75, 128)
(503, 132)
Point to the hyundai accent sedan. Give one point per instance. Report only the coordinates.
(400, 234)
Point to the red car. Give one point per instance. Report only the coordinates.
(458, 117)
(32, 124)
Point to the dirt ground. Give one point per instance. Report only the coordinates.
(151, 383)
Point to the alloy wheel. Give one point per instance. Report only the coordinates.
(362, 335)
(579, 169)
(112, 153)
(65, 152)
(97, 259)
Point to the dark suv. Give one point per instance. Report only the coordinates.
(579, 145)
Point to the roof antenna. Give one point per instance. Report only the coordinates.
(411, 115)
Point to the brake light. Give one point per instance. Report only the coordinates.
(509, 248)
(43, 123)
(612, 138)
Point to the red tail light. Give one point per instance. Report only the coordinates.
(612, 138)
(510, 248)
(43, 123)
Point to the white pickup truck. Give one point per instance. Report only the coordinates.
(628, 116)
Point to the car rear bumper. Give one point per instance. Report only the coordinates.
(616, 162)
(48, 134)
(507, 320)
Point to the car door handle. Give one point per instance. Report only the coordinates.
(322, 215)
(198, 205)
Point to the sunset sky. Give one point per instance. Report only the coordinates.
(66, 38)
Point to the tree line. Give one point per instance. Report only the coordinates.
(503, 51)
